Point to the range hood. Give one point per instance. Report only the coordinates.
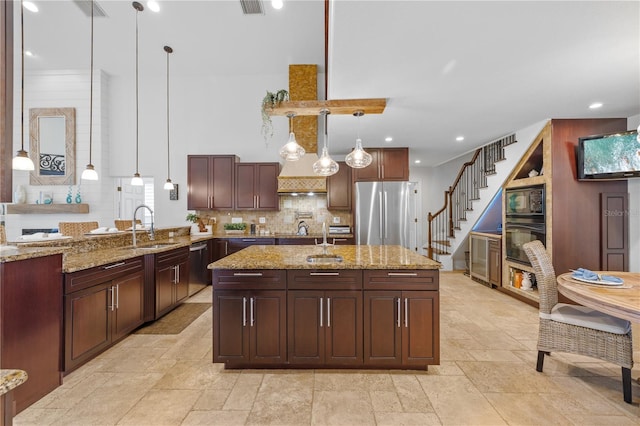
(298, 176)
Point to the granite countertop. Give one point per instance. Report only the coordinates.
(354, 257)
(11, 379)
(12, 253)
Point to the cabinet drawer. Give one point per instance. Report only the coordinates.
(89, 277)
(239, 279)
(324, 279)
(172, 257)
(404, 279)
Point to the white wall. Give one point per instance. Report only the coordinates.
(634, 210)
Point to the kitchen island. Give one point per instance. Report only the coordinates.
(377, 307)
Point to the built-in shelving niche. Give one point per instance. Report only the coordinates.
(47, 208)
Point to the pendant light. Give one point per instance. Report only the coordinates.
(358, 158)
(325, 166)
(22, 161)
(291, 151)
(168, 185)
(90, 172)
(137, 180)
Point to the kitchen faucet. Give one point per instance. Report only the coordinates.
(152, 234)
(324, 244)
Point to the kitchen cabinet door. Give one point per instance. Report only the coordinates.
(389, 164)
(420, 328)
(372, 171)
(230, 336)
(171, 279)
(210, 182)
(382, 332)
(256, 186)
(128, 309)
(495, 262)
(340, 188)
(305, 326)
(343, 328)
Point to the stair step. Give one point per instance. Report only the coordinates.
(443, 242)
(440, 252)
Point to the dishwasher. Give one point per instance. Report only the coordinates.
(198, 272)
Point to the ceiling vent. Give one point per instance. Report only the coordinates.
(85, 7)
(252, 7)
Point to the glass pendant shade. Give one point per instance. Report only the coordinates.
(292, 151)
(325, 166)
(168, 185)
(136, 180)
(89, 173)
(358, 158)
(22, 161)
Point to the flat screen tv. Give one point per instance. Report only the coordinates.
(613, 156)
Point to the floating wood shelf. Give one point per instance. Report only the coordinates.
(47, 208)
(335, 106)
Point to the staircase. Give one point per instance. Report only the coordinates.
(449, 226)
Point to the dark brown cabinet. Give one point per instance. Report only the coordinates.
(250, 320)
(210, 182)
(495, 261)
(226, 246)
(340, 189)
(401, 327)
(324, 326)
(256, 186)
(101, 305)
(171, 279)
(31, 322)
(389, 164)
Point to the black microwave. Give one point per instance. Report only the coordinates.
(526, 201)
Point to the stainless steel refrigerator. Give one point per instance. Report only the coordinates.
(384, 213)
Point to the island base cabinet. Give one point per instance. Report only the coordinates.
(420, 328)
(382, 328)
(325, 327)
(249, 326)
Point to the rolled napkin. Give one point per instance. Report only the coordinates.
(39, 236)
(100, 230)
(586, 274)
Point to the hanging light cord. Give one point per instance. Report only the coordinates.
(22, 74)
(137, 10)
(91, 92)
(168, 50)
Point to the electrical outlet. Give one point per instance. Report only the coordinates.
(262, 220)
(336, 219)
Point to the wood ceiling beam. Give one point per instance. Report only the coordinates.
(335, 106)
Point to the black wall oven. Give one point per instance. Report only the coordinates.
(525, 220)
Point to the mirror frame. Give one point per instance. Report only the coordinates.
(69, 114)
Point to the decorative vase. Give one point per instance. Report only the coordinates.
(78, 197)
(20, 195)
(69, 196)
(526, 281)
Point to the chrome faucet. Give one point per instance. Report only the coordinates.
(324, 244)
(152, 233)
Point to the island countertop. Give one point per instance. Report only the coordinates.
(354, 257)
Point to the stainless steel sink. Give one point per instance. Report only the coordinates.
(324, 258)
(155, 246)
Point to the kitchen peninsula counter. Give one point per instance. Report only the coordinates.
(377, 308)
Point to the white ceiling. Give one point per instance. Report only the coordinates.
(478, 69)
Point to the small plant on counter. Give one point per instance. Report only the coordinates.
(270, 101)
(235, 227)
(192, 217)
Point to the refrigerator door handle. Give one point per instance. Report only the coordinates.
(381, 215)
(386, 213)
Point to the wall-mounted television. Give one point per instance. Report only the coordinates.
(612, 156)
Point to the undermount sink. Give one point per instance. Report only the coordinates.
(155, 246)
(324, 258)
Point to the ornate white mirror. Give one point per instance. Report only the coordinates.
(53, 146)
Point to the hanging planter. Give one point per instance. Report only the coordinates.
(270, 101)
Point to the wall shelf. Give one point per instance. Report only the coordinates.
(335, 106)
(47, 208)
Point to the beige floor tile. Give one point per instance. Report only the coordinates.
(40, 416)
(489, 376)
(446, 368)
(526, 409)
(407, 419)
(222, 418)
(189, 374)
(244, 392)
(212, 399)
(410, 393)
(352, 380)
(167, 407)
(495, 355)
(346, 407)
(385, 401)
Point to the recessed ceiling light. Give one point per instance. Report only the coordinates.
(417, 161)
(28, 53)
(31, 7)
(277, 4)
(388, 139)
(153, 6)
(460, 138)
(595, 105)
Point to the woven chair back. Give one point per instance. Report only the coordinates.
(545, 274)
(76, 229)
(3, 235)
(123, 225)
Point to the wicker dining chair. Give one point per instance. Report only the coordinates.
(76, 229)
(123, 225)
(3, 235)
(577, 329)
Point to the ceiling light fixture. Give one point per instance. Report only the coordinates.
(137, 180)
(388, 139)
(277, 4)
(22, 161)
(90, 172)
(153, 6)
(595, 105)
(325, 166)
(358, 158)
(291, 151)
(168, 184)
(30, 6)
(460, 138)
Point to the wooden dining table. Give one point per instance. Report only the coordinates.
(619, 301)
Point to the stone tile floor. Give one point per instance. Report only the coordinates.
(486, 377)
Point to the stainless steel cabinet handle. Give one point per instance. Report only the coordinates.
(177, 274)
(339, 239)
(247, 274)
(252, 301)
(321, 308)
(111, 304)
(398, 319)
(330, 274)
(406, 312)
(328, 312)
(113, 265)
(380, 215)
(117, 296)
(386, 211)
(257, 201)
(244, 311)
(226, 248)
(402, 274)
(249, 240)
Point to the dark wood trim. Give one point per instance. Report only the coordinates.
(6, 100)
(614, 229)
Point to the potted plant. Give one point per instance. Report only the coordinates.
(192, 217)
(235, 228)
(270, 101)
